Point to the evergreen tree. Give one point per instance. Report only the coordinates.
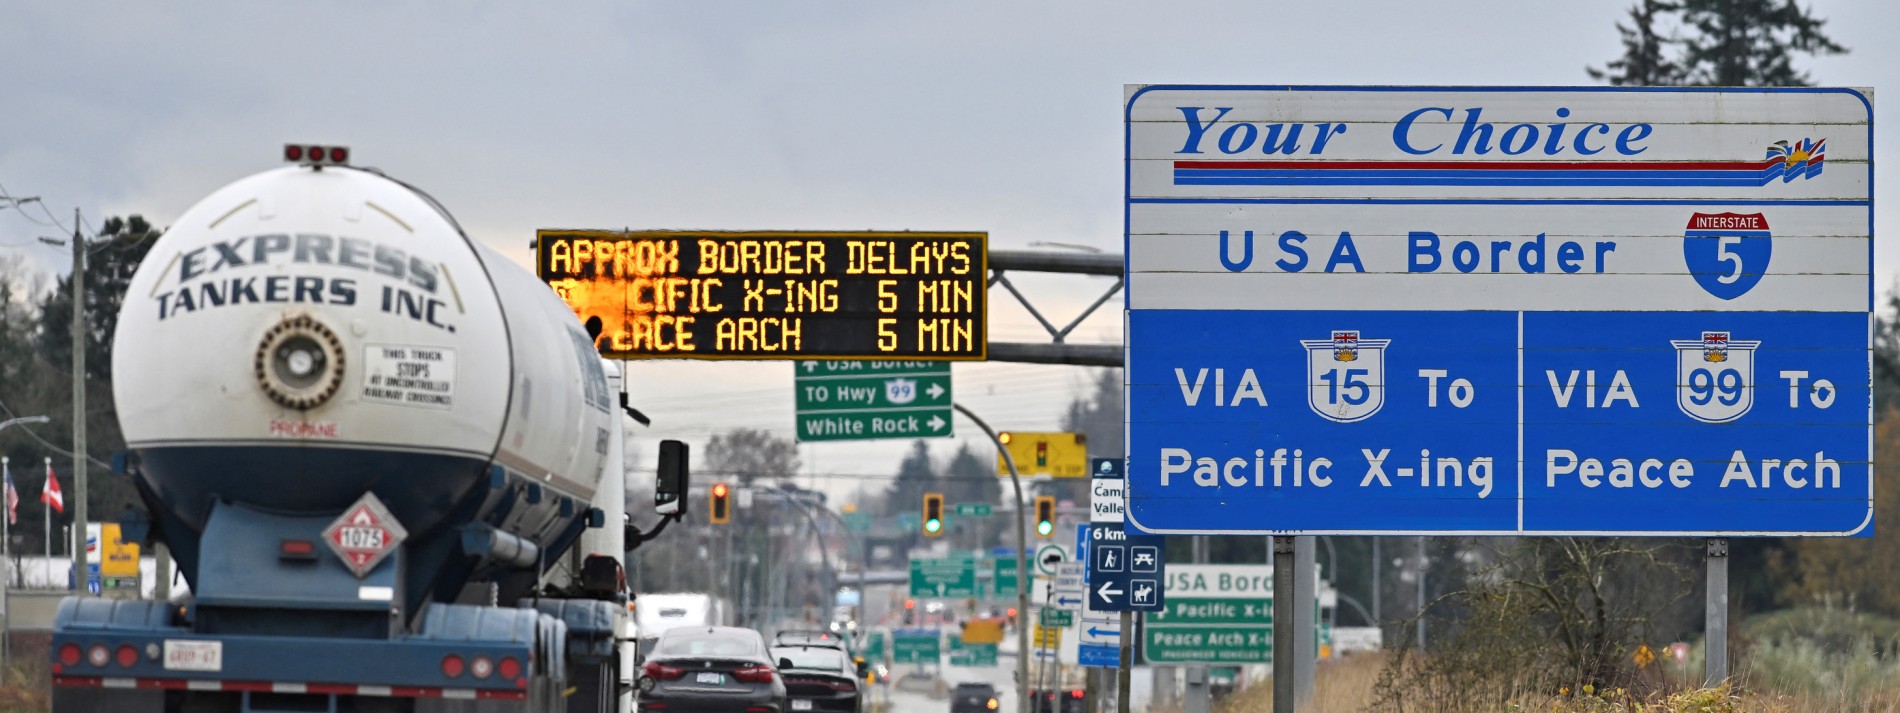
(751, 454)
(111, 258)
(915, 476)
(1099, 415)
(1721, 43)
(969, 479)
(1750, 42)
(1886, 359)
(1643, 63)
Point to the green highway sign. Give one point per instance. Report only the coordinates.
(1003, 579)
(962, 654)
(1053, 617)
(973, 509)
(1227, 644)
(872, 400)
(944, 577)
(857, 522)
(874, 646)
(1216, 614)
(1214, 611)
(916, 648)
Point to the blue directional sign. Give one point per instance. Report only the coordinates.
(1126, 571)
(1535, 311)
(1098, 640)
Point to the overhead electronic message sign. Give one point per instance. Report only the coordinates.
(773, 294)
(1364, 310)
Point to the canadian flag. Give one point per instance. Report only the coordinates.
(50, 495)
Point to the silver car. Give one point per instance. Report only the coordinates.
(711, 669)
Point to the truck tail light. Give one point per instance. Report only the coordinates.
(452, 665)
(128, 656)
(69, 654)
(509, 667)
(98, 655)
(481, 667)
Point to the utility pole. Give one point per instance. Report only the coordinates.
(80, 575)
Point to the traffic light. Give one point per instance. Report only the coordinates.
(933, 514)
(1045, 516)
(1042, 454)
(720, 504)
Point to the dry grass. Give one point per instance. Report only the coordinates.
(25, 686)
(1347, 686)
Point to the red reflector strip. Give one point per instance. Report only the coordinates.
(343, 689)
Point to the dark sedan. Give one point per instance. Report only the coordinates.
(819, 678)
(711, 669)
(973, 698)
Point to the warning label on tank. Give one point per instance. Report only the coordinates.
(409, 375)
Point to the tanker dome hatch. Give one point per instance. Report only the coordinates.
(314, 332)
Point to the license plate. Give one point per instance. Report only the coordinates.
(194, 655)
(799, 705)
(712, 678)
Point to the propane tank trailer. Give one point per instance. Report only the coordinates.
(386, 459)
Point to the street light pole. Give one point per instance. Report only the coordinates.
(1022, 565)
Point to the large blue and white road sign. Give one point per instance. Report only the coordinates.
(1364, 310)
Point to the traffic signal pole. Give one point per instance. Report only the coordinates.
(1022, 564)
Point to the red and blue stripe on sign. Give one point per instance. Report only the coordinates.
(1496, 173)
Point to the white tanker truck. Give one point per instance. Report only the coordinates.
(386, 459)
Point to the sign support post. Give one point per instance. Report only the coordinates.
(1197, 698)
(1715, 615)
(1128, 662)
(1305, 650)
(1283, 635)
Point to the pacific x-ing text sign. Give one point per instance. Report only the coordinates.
(1499, 310)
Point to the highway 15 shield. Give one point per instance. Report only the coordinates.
(1715, 377)
(1727, 252)
(1345, 375)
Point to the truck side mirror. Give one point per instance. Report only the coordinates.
(670, 486)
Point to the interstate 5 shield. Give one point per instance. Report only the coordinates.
(1362, 310)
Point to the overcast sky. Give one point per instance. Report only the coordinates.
(997, 116)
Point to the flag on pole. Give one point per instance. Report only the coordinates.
(13, 499)
(50, 495)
